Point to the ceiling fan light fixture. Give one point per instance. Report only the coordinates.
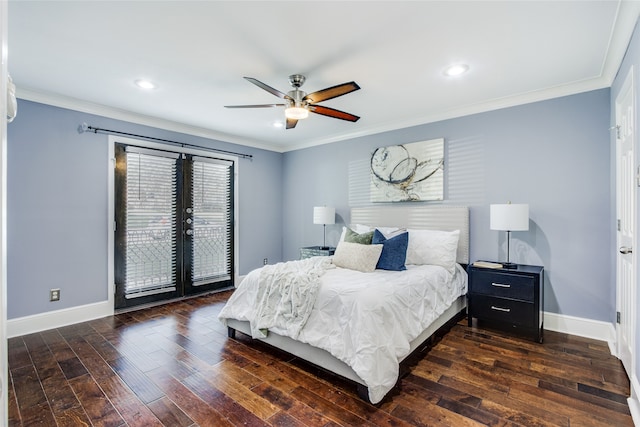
(296, 113)
(298, 103)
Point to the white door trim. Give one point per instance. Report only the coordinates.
(4, 49)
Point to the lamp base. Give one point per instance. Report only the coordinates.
(509, 265)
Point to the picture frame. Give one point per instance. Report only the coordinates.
(411, 172)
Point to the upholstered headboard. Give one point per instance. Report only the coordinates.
(441, 217)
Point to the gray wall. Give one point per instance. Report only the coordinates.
(631, 59)
(553, 155)
(57, 206)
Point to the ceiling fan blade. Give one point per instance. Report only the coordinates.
(255, 106)
(268, 88)
(332, 112)
(331, 92)
(291, 123)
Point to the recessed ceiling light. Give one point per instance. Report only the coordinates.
(278, 124)
(456, 70)
(145, 84)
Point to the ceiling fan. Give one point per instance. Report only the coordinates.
(299, 103)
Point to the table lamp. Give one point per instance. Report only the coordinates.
(509, 217)
(324, 215)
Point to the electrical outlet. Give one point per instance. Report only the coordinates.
(265, 261)
(54, 295)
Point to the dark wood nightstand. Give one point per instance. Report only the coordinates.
(511, 299)
(310, 251)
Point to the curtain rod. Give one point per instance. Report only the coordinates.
(85, 127)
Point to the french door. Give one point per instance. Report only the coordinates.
(174, 225)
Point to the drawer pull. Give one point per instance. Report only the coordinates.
(500, 285)
(506, 310)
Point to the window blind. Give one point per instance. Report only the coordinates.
(150, 265)
(212, 207)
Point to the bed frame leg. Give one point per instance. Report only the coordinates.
(231, 333)
(363, 392)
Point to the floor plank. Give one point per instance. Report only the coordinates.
(173, 365)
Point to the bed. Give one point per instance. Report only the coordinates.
(362, 325)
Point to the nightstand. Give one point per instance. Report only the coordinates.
(511, 299)
(310, 251)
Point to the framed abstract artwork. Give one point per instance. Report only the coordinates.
(408, 172)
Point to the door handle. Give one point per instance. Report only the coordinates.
(625, 250)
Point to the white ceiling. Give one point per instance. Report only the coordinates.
(85, 55)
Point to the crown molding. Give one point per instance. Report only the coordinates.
(492, 105)
(75, 104)
(484, 107)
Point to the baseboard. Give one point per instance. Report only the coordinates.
(68, 316)
(582, 327)
(56, 319)
(634, 404)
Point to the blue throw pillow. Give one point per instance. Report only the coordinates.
(394, 251)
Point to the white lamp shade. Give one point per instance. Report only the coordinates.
(324, 215)
(509, 217)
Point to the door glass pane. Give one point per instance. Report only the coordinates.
(211, 221)
(150, 224)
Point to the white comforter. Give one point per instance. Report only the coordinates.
(367, 320)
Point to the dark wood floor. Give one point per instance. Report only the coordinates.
(174, 365)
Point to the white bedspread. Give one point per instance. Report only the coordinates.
(367, 320)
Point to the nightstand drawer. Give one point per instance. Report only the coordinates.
(504, 285)
(504, 310)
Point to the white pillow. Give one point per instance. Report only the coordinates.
(355, 256)
(389, 232)
(359, 228)
(433, 247)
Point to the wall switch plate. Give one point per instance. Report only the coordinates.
(265, 261)
(54, 295)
